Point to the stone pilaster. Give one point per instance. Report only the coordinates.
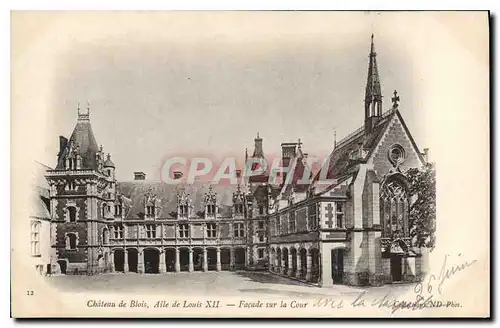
(309, 266)
(205, 260)
(162, 268)
(125, 261)
(218, 260)
(191, 266)
(298, 272)
(290, 265)
(177, 260)
(140, 261)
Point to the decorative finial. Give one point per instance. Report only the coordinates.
(335, 138)
(395, 100)
(109, 156)
(258, 135)
(299, 143)
(83, 116)
(246, 154)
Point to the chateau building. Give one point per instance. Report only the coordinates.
(353, 230)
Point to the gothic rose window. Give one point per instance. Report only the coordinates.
(394, 209)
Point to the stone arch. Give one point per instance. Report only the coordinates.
(272, 259)
(151, 260)
(63, 265)
(240, 254)
(184, 258)
(119, 259)
(133, 259)
(303, 262)
(170, 258)
(211, 258)
(225, 258)
(315, 264)
(394, 206)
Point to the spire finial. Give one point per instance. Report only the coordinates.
(372, 48)
(258, 135)
(335, 138)
(395, 100)
(299, 143)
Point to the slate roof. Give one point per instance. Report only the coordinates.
(133, 195)
(83, 137)
(109, 162)
(341, 166)
(39, 208)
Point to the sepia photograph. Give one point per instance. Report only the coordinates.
(288, 164)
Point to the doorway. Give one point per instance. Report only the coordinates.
(337, 261)
(396, 268)
(133, 256)
(151, 261)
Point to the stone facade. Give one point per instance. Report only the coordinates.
(352, 230)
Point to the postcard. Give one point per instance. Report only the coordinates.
(250, 164)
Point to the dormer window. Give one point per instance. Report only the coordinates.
(211, 209)
(238, 208)
(183, 210)
(118, 210)
(150, 210)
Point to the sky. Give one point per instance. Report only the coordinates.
(163, 84)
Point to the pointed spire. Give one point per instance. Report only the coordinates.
(373, 92)
(372, 49)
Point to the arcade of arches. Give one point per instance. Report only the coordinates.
(302, 263)
(155, 260)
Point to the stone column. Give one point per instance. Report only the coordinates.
(112, 261)
(205, 260)
(191, 267)
(231, 259)
(290, 265)
(299, 266)
(162, 268)
(308, 266)
(140, 261)
(218, 260)
(125, 261)
(177, 260)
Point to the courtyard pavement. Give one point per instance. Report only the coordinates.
(226, 283)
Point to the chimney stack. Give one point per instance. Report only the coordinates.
(289, 149)
(139, 176)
